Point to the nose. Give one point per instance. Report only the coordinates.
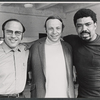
(84, 28)
(13, 34)
(54, 31)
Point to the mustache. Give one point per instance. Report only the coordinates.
(84, 32)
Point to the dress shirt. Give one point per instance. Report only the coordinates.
(13, 69)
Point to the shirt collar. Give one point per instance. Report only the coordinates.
(8, 49)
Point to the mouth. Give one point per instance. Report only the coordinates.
(85, 34)
(12, 40)
(54, 36)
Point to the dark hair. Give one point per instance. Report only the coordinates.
(84, 13)
(54, 17)
(3, 25)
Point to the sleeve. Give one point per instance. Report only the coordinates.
(68, 39)
(29, 60)
(31, 68)
(27, 44)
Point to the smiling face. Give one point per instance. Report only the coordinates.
(54, 30)
(86, 28)
(13, 33)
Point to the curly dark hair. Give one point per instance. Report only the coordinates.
(84, 13)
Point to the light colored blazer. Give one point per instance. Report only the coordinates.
(37, 64)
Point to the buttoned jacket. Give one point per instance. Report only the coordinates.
(37, 64)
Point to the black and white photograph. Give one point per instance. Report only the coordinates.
(50, 50)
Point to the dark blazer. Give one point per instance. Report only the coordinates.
(37, 63)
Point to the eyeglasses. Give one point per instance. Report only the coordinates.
(10, 32)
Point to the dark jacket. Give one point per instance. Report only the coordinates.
(37, 63)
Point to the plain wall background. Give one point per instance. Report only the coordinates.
(70, 29)
(34, 20)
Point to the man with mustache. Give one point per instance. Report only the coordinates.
(13, 60)
(86, 53)
(51, 63)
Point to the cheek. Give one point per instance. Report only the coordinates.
(49, 33)
(94, 28)
(21, 37)
(6, 37)
(79, 30)
(60, 31)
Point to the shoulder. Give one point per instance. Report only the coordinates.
(66, 45)
(68, 37)
(72, 39)
(23, 48)
(39, 41)
(1, 47)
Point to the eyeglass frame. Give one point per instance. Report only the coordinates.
(10, 32)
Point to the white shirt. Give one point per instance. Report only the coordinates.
(13, 69)
(56, 76)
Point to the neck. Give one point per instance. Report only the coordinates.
(48, 41)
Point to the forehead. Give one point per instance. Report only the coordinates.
(84, 20)
(13, 25)
(54, 22)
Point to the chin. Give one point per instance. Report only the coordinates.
(13, 46)
(87, 40)
(55, 40)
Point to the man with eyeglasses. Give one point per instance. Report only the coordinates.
(13, 60)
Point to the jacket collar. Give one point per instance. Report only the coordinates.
(68, 62)
(41, 49)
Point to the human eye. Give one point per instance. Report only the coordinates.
(58, 28)
(78, 25)
(88, 24)
(18, 33)
(9, 32)
(50, 29)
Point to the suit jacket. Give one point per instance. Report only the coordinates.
(37, 63)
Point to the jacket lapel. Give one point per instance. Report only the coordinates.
(69, 69)
(42, 54)
(66, 62)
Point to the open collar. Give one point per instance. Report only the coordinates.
(7, 49)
